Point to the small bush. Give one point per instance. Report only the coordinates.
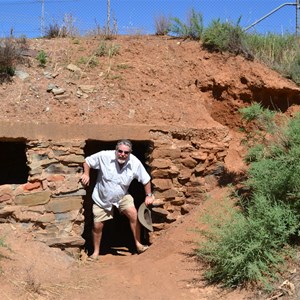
(262, 123)
(69, 29)
(22, 42)
(277, 174)
(32, 284)
(162, 25)
(89, 61)
(256, 112)
(113, 50)
(52, 31)
(66, 29)
(107, 50)
(3, 245)
(10, 55)
(42, 58)
(253, 112)
(193, 29)
(248, 248)
(223, 36)
(123, 66)
(249, 245)
(105, 32)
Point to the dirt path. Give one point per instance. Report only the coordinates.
(168, 270)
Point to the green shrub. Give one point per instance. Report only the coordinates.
(253, 112)
(277, 174)
(262, 123)
(42, 58)
(291, 131)
(102, 49)
(89, 61)
(256, 112)
(255, 153)
(247, 248)
(113, 50)
(223, 36)
(193, 29)
(107, 50)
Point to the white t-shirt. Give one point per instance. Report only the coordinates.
(112, 182)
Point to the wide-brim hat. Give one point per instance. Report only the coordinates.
(144, 216)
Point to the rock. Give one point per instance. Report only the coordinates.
(48, 75)
(29, 52)
(80, 94)
(160, 163)
(158, 226)
(189, 162)
(59, 205)
(58, 91)
(186, 208)
(21, 74)
(178, 201)
(160, 211)
(73, 68)
(131, 113)
(162, 184)
(65, 241)
(31, 199)
(87, 88)
(158, 202)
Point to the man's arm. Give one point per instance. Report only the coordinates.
(149, 196)
(85, 177)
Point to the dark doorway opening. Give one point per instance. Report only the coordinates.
(116, 232)
(14, 169)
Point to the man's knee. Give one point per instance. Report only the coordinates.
(131, 213)
(98, 226)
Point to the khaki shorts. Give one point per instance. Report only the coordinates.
(101, 215)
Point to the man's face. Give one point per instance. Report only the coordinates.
(122, 154)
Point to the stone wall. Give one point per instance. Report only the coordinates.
(50, 203)
(184, 165)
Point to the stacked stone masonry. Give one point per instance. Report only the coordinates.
(50, 205)
(183, 168)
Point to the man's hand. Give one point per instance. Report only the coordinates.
(149, 200)
(85, 179)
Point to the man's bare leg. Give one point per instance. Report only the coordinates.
(97, 235)
(131, 214)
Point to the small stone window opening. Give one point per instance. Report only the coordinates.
(13, 160)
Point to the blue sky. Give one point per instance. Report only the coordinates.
(137, 16)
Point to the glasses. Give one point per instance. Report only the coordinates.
(125, 152)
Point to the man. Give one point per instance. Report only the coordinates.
(116, 170)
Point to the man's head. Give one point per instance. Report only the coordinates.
(123, 150)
